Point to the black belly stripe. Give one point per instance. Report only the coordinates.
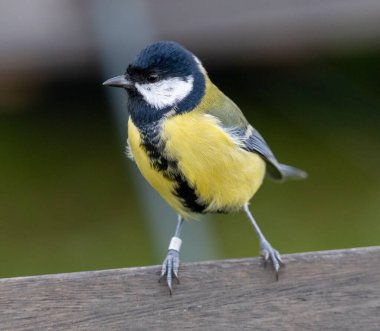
(154, 147)
(188, 195)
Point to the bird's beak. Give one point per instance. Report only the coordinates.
(119, 81)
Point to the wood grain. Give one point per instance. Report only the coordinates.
(329, 290)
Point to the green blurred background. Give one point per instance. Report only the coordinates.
(71, 201)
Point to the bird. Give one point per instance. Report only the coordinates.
(193, 144)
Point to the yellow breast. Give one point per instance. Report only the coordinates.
(156, 179)
(224, 176)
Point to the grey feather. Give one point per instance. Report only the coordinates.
(275, 170)
(235, 123)
(128, 152)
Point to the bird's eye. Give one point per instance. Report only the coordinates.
(152, 78)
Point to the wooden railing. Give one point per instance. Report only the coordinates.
(328, 290)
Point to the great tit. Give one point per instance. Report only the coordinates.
(193, 144)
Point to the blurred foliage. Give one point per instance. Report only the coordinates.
(68, 202)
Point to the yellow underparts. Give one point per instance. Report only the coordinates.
(224, 176)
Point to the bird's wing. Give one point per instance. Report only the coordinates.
(254, 142)
(233, 120)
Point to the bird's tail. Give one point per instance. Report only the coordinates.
(289, 172)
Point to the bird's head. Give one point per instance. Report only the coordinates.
(164, 77)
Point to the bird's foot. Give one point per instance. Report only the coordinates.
(269, 254)
(170, 268)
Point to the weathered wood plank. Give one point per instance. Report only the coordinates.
(331, 290)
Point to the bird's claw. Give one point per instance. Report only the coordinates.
(170, 268)
(269, 254)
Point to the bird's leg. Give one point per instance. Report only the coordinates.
(171, 263)
(266, 249)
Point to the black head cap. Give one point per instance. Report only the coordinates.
(166, 58)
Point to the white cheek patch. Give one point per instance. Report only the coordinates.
(167, 92)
